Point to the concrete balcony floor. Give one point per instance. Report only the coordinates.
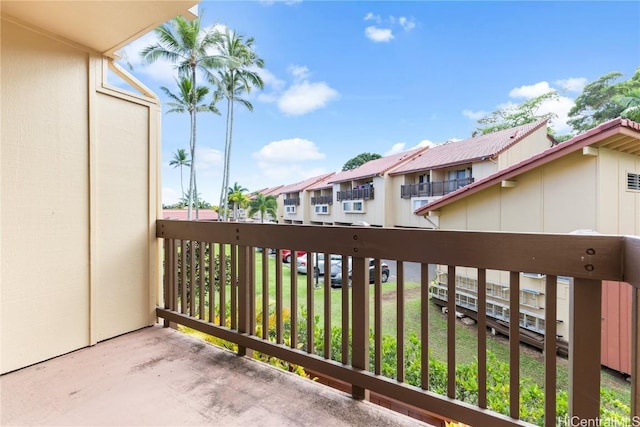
(160, 377)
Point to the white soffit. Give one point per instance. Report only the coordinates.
(104, 26)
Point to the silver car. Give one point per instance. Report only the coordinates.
(318, 263)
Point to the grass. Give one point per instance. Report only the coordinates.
(531, 361)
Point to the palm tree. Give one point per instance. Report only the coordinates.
(236, 78)
(180, 159)
(237, 197)
(191, 100)
(264, 205)
(630, 103)
(187, 45)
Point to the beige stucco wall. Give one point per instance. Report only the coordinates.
(533, 144)
(375, 210)
(78, 197)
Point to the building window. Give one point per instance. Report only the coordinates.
(418, 203)
(290, 209)
(321, 209)
(353, 206)
(529, 298)
(633, 181)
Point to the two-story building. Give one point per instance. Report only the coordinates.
(445, 168)
(589, 184)
(295, 201)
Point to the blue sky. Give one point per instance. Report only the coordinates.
(342, 78)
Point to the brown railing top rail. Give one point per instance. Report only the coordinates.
(599, 257)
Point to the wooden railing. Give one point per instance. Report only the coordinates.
(292, 201)
(253, 317)
(433, 189)
(356, 194)
(322, 200)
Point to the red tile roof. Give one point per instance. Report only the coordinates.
(574, 144)
(467, 150)
(181, 214)
(377, 167)
(303, 185)
(271, 191)
(323, 183)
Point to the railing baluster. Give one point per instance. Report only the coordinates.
(202, 271)
(183, 276)
(327, 305)
(377, 317)
(278, 296)
(234, 283)
(212, 282)
(514, 344)
(424, 326)
(550, 350)
(635, 352)
(244, 311)
(584, 349)
(192, 277)
(482, 338)
(169, 274)
(310, 307)
(265, 294)
(451, 332)
(345, 310)
(360, 313)
(174, 288)
(400, 321)
(294, 306)
(252, 292)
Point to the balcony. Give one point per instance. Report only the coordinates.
(322, 200)
(366, 193)
(292, 201)
(432, 189)
(259, 312)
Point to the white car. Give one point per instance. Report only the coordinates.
(318, 263)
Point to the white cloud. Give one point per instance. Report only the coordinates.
(170, 196)
(395, 149)
(425, 143)
(474, 115)
(530, 91)
(299, 72)
(560, 107)
(269, 79)
(406, 23)
(289, 150)
(378, 35)
(371, 17)
(305, 97)
(208, 158)
(572, 84)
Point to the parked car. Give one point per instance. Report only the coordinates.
(336, 273)
(318, 263)
(286, 255)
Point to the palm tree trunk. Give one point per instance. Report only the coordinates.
(193, 161)
(227, 170)
(192, 170)
(223, 190)
(181, 180)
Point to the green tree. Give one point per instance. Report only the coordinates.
(512, 116)
(238, 197)
(264, 205)
(630, 104)
(187, 45)
(602, 100)
(360, 160)
(236, 77)
(180, 159)
(191, 101)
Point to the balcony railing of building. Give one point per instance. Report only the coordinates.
(366, 193)
(292, 201)
(252, 312)
(322, 200)
(432, 189)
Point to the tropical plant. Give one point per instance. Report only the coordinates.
(603, 99)
(263, 205)
(360, 160)
(512, 116)
(188, 46)
(236, 77)
(238, 197)
(191, 101)
(630, 104)
(180, 159)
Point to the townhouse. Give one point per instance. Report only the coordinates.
(295, 200)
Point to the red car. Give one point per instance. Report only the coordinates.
(286, 255)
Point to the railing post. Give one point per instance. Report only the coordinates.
(584, 349)
(244, 310)
(360, 321)
(635, 351)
